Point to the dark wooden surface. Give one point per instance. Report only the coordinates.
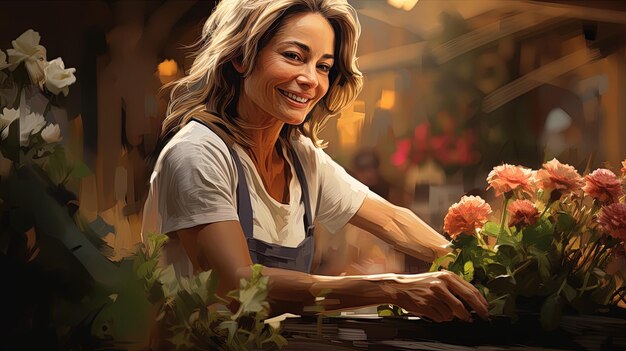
(353, 333)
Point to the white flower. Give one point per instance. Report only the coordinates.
(26, 48)
(3, 60)
(8, 115)
(51, 133)
(58, 79)
(29, 125)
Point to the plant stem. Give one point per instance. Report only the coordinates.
(504, 206)
(589, 253)
(546, 209)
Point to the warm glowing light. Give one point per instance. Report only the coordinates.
(387, 99)
(350, 124)
(167, 71)
(403, 4)
(168, 68)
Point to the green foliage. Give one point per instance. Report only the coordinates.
(196, 317)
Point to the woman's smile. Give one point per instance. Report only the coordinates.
(298, 99)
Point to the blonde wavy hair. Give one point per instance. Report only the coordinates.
(238, 30)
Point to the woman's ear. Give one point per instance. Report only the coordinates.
(238, 64)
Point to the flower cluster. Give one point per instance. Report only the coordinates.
(25, 135)
(557, 242)
(52, 75)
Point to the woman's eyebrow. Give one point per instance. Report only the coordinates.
(307, 49)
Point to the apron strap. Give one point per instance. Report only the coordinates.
(305, 192)
(244, 206)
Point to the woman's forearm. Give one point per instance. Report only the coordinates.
(401, 228)
(436, 295)
(297, 292)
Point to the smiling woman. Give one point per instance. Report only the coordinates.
(240, 176)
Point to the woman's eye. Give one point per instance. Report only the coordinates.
(292, 56)
(324, 67)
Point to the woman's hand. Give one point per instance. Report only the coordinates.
(439, 296)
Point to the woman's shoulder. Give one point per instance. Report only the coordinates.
(195, 143)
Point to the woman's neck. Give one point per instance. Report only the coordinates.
(268, 158)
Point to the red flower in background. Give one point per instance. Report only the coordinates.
(446, 148)
(603, 185)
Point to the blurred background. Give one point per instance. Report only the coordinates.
(452, 89)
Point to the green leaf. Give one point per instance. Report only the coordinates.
(565, 223)
(539, 235)
(507, 254)
(12, 150)
(231, 327)
(437, 263)
(468, 271)
(146, 269)
(551, 312)
(501, 284)
(491, 229)
(463, 241)
(543, 263)
(528, 280)
(569, 292)
(504, 305)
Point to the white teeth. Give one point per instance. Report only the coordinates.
(294, 96)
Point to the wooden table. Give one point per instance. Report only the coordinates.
(390, 333)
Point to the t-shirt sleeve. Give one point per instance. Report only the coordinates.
(196, 185)
(340, 195)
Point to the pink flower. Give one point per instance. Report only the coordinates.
(465, 216)
(603, 185)
(523, 212)
(505, 178)
(613, 219)
(557, 176)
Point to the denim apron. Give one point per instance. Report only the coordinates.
(297, 258)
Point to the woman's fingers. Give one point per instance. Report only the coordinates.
(437, 303)
(454, 305)
(469, 294)
(471, 287)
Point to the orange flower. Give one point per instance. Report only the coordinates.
(465, 216)
(557, 176)
(613, 219)
(505, 178)
(624, 169)
(603, 185)
(522, 212)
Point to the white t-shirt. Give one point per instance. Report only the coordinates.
(195, 180)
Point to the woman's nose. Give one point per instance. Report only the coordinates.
(308, 76)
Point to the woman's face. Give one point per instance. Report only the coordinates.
(291, 72)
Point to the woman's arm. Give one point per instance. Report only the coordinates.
(221, 246)
(399, 227)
